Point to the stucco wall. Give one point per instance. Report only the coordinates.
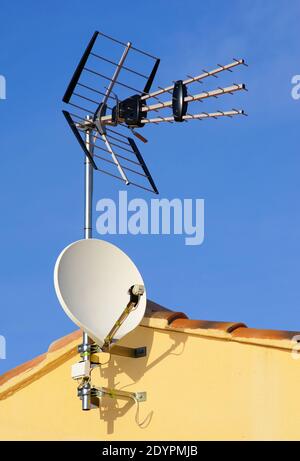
(198, 388)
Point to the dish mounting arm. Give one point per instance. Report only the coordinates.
(136, 291)
(82, 370)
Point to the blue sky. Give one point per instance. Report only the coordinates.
(246, 169)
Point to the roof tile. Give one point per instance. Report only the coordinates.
(22, 368)
(154, 310)
(228, 327)
(61, 342)
(263, 334)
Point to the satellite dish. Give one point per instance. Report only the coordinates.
(92, 280)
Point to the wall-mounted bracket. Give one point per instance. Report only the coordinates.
(118, 394)
(131, 352)
(94, 394)
(93, 355)
(91, 350)
(123, 351)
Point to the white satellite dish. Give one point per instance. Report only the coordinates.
(92, 280)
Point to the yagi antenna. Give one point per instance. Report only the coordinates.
(109, 100)
(109, 97)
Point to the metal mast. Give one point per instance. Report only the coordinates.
(88, 216)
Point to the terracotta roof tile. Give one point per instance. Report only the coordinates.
(263, 334)
(156, 311)
(62, 342)
(22, 368)
(27, 366)
(228, 327)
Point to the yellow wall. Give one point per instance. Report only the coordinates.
(198, 388)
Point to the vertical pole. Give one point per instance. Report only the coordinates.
(88, 185)
(88, 207)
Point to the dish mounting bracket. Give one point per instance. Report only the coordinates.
(90, 358)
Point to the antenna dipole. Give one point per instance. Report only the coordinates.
(198, 78)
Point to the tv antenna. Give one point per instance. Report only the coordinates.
(109, 100)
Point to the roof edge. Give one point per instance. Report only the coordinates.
(157, 317)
